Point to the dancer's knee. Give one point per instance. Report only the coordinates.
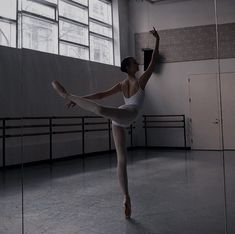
(121, 158)
(121, 162)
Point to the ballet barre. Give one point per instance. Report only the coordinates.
(52, 129)
(164, 121)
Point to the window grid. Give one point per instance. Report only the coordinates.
(73, 22)
(38, 33)
(105, 24)
(38, 16)
(57, 17)
(22, 13)
(43, 4)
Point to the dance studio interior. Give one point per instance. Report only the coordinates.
(61, 172)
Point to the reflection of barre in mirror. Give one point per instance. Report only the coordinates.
(132, 89)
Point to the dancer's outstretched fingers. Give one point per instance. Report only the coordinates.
(70, 104)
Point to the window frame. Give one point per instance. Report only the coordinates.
(45, 19)
(21, 13)
(56, 19)
(74, 22)
(105, 24)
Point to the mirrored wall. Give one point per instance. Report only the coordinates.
(196, 78)
(11, 146)
(226, 54)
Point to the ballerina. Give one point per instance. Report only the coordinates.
(133, 92)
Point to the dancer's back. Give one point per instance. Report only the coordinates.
(136, 99)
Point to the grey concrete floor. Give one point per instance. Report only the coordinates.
(171, 192)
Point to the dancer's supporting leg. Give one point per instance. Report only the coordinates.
(116, 114)
(119, 115)
(119, 136)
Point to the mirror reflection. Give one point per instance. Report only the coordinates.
(117, 116)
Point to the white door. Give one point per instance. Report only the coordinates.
(228, 107)
(204, 112)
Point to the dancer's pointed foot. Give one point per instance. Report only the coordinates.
(59, 89)
(127, 207)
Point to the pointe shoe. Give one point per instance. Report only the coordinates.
(127, 208)
(59, 88)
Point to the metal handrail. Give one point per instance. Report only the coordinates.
(50, 131)
(166, 122)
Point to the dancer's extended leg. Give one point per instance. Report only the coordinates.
(119, 136)
(116, 114)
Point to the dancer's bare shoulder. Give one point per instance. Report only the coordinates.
(124, 85)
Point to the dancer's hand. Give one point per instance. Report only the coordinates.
(155, 33)
(70, 104)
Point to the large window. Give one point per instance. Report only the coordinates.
(8, 22)
(39, 34)
(77, 28)
(100, 25)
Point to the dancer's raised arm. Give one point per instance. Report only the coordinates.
(147, 74)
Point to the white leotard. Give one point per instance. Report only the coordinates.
(134, 102)
(136, 99)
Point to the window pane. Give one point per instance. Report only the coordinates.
(83, 2)
(101, 29)
(7, 34)
(101, 50)
(39, 9)
(74, 51)
(73, 12)
(100, 11)
(40, 34)
(73, 32)
(8, 8)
